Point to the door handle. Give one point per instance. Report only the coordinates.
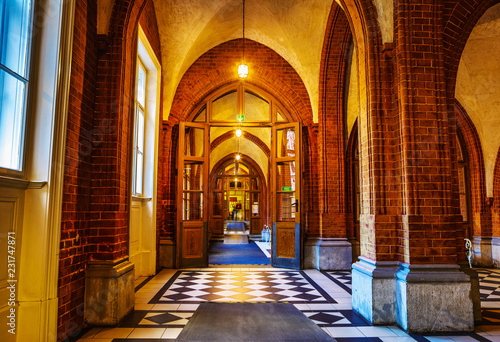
(296, 205)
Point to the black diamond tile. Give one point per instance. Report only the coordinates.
(306, 296)
(327, 318)
(275, 297)
(300, 289)
(178, 296)
(163, 318)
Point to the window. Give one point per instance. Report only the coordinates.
(140, 109)
(15, 31)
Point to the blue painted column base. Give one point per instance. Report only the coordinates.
(373, 290)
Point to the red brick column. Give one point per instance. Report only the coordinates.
(428, 152)
(496, 198)
(331, 146)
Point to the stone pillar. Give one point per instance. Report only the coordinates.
(333, 254)
(373, 290)
(109, 291)
(310, 252)
(433, 298)
(483, 251)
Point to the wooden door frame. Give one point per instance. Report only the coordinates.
(298, 245)
(180, 190)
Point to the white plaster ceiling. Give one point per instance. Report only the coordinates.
(295, 29)
(478, 86)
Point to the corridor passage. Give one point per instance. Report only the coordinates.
(165, 303)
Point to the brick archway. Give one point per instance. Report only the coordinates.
(480, 212)
(246, 135)
(217, 68)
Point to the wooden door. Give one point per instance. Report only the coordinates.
(216, 206)
(192, 194)
(285, 191)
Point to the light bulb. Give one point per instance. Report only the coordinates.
(238, 132)
(243, 70)
(236, 179)
(238, 157)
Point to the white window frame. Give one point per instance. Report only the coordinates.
(20, 172)
(139, 108)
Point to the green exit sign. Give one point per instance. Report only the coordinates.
(240, 117)
(286, 188)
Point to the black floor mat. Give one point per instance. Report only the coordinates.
(251, 322)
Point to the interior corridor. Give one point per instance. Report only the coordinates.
(165, 303)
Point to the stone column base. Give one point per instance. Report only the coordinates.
(109, 291)
(483, 251)
(310, 247)
(433, 298)
(475, 294)
(333, 254)
(495, 252)
(373, 290)
(167, 253)
(328, 254)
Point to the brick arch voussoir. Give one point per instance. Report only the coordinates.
(475, 155)
(246, 135)
(496, 184)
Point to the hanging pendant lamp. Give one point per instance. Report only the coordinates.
(243, 68)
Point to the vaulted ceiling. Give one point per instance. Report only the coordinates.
(294, 29)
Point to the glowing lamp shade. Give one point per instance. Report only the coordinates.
(238, 157)
(238, 132)
(243, 70)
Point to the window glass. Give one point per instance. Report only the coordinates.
(201, 116)
(15, 21)
(225, 108)
(15, 24)
(256, 108)
(12, 94)
(138, 174)
(140, 131)
(141, 86)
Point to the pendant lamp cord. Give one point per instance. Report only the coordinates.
(243, 30)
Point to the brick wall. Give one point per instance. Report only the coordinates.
(97, 172)
(76, 218)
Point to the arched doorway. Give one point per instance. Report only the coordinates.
(238, 192)
(208, 187)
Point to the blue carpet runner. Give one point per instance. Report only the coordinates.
(235, 227)
(247, 254)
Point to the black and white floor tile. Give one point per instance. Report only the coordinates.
(249, 286)
(166, 302)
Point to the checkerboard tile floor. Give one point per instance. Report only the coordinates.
(164, 305)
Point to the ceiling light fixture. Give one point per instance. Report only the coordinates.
(243, 68)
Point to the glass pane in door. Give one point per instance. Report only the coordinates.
(192, 176)
(285, 143)
(285, 176)
(194, 142)
(192, 206)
